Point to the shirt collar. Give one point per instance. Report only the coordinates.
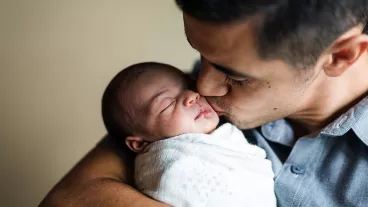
(356, 119)
(356, 116)
(280, 132)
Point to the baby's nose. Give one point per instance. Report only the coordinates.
(191, 98)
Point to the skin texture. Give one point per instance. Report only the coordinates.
(309, 97)
(164, 105)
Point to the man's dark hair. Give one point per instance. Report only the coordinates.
(297, 31)
(118, 122)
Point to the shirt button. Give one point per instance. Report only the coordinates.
(296, 169)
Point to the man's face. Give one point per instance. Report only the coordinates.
(237, 83)
(163, 104)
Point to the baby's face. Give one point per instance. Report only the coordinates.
(164, 105)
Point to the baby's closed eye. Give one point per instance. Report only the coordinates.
(167, 104)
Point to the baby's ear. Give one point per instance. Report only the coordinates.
(136, 144)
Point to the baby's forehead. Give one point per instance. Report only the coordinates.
(152, 82)
(161, 78)
(164, 72)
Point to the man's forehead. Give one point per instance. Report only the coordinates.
(212, 38)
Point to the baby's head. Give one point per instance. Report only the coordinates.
(148, 102)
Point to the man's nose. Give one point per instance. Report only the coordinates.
(211, 82)
(191, 98)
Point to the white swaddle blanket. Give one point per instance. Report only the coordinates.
(217, 169)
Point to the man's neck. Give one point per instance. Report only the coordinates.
(331, 97)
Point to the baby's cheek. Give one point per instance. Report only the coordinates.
(167, 126)
(179, 124)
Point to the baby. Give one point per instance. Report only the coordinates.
(182, 159)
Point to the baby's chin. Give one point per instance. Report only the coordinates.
(212, 124)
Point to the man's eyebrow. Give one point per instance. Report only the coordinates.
(229, 71)
(223, 69)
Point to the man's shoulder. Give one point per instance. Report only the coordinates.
(117, 147)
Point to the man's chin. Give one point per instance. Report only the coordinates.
(242, 124)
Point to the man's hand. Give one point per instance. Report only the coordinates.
(101, 178)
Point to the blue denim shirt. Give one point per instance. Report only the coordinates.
(326, 168)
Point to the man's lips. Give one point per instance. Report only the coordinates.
(216, 108)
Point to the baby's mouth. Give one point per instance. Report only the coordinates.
(203, 112)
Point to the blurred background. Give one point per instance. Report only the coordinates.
(56, 58)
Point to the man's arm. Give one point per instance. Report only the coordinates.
(101, 178)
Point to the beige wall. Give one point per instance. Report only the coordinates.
(56, 57)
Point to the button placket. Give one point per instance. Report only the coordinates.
(297, 169)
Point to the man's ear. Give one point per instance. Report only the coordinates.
(345, 52)
(136, 144)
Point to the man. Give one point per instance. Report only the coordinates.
(262, 61)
